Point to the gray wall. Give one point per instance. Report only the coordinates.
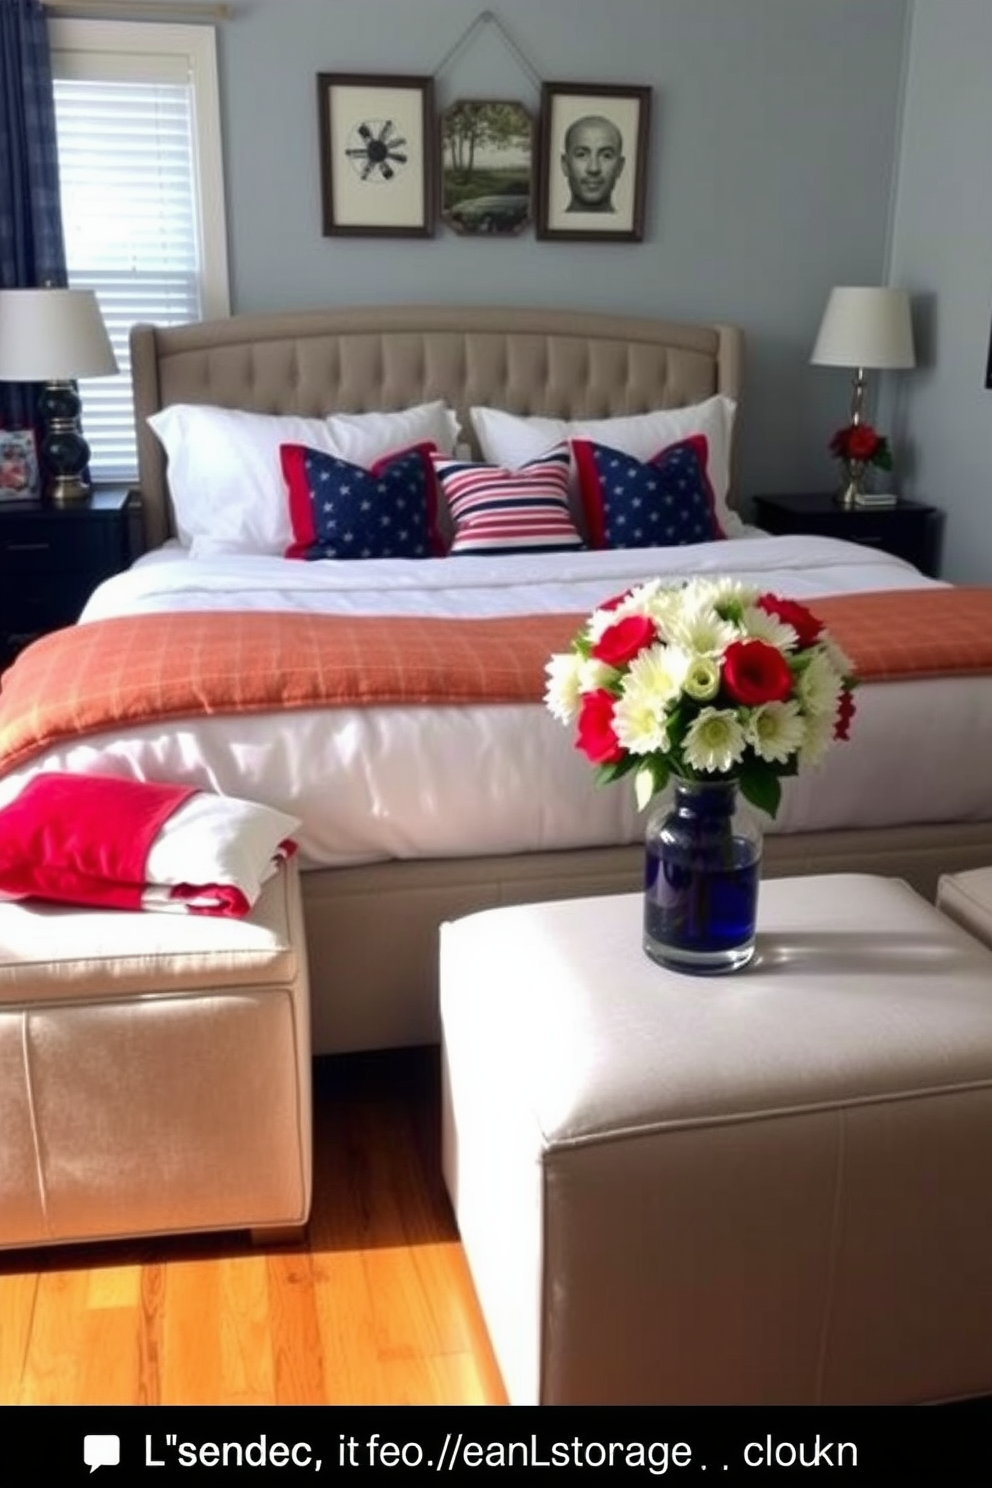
(774, 152)
(942, 250)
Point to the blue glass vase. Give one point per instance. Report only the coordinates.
(701, 874)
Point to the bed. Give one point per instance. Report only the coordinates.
(412, 813)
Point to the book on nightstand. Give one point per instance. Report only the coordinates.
(876, 499)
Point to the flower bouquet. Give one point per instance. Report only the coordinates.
(705, 680)
(718, 687)
(859, 446)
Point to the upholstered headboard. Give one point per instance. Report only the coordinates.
(559, 363)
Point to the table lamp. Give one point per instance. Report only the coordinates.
(54, 336)
(866, 328)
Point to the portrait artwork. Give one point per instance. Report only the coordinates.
(592, 181)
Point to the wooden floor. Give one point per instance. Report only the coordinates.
(374, 1307)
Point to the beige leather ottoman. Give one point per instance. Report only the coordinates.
(774, 1187)
(154, 1071)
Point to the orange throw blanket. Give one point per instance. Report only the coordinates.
(109, 675)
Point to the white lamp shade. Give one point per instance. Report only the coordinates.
(52, 335)
(865, 327)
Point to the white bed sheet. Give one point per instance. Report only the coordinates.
(376, 783)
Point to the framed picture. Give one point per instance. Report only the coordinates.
(19, 475)
(376, 155)
(486, 167)
(592, 162)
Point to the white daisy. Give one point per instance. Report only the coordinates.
(640, 726)
(701, 630)
(776, 731)
(819, 686)
(652, 684)
(759, 625)
(562, 691)
(593, 674)
(721, 592)
(659, 671)
(819, 737)
(714, 742)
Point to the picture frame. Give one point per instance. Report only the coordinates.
(487, 167)
(377, 155)
(20, 473)
(603, 130)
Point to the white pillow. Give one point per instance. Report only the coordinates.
(512, 439)
(224, 474)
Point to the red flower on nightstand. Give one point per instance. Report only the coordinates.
(862, 442)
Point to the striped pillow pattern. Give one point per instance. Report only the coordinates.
(494, 510)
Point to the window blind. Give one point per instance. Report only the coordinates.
(127, 172)
(141, 173)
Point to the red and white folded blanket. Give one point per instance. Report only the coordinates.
(129, 844)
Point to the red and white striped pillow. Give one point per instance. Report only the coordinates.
(496, 510)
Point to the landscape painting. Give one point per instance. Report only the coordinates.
(486, 167)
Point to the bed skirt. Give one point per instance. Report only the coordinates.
(372, 931)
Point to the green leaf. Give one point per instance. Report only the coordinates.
(606, 774)
(643, 786)
(651, 778)
(762, 789)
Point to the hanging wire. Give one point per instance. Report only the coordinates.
(488, 18)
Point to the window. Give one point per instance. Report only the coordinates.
(138, 123)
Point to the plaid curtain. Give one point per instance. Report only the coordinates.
(32, 249)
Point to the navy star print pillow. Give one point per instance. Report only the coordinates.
(663, 502)
(341, 510)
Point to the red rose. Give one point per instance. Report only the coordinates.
(862, 442)
(622, 641)
(595, 735)
(617, 599)
(845, 712)
(802, 620)
(756, 673)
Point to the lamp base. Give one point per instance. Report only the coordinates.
(68, 490)
(65, 454)
(851, 493)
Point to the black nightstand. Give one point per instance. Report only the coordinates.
(909, 530)
(52, 558)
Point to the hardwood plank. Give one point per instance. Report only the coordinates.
(373, 1306)
(107, 1355)
(18, 1292)
(296, 1342)
(149, 1341)
(52, 1367)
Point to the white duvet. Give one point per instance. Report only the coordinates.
(389, 782)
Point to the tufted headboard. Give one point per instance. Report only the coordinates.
(559, 363)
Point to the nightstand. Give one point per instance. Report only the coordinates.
(909, 530)
(52, 558)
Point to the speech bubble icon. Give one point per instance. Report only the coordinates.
(101, 1451)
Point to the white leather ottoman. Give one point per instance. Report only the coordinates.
(967, 898)
(154, 1071)
(774, 1187)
